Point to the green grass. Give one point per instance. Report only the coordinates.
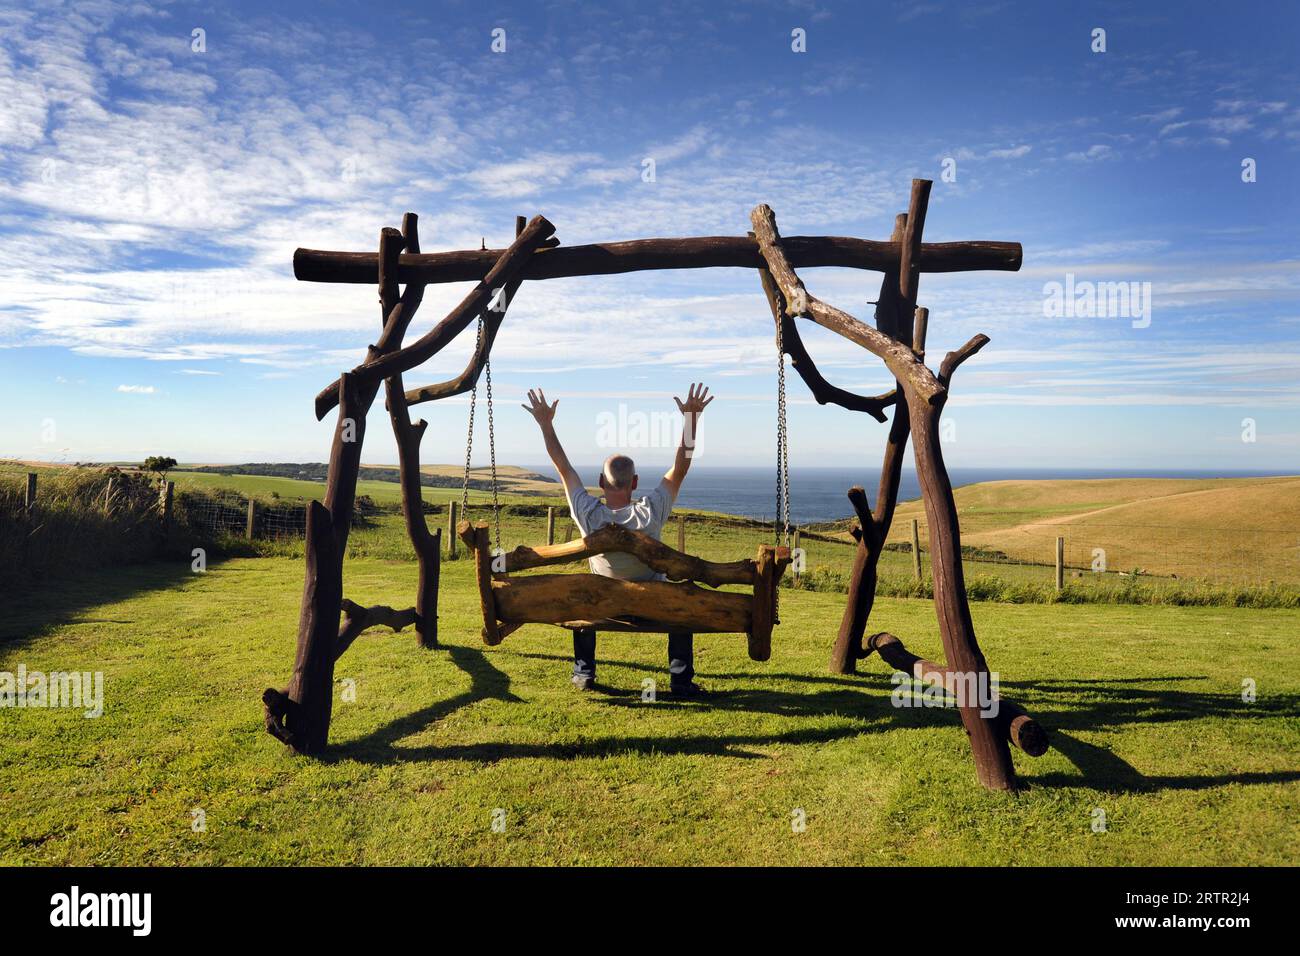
(1143, 705)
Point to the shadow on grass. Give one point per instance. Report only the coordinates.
(1062, 706)
(58, 603)
(489, 682)
(845, 681)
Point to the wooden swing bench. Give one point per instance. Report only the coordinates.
(576, 601)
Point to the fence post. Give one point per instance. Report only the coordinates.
(165, 504)
(1060, 563)
(29, 499)
(252, 519)
(681, 533)
(794, 548)
(452, 507)
(916, 549)
(108, 494)
(550, 524)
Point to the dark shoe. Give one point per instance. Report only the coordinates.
(689, 691)
(584, 683)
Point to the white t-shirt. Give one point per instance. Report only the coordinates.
(646, 514)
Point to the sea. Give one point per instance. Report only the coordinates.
(818, 494)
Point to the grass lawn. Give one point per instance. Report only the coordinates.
(1143, 705)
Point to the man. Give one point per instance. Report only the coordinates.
(618, 479)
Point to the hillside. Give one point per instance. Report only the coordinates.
(510, 478)
(1213, 528)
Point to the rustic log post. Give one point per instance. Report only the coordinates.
(407, 434)
(108, 494)
(923, 394)
(250, 521)
(309, 694)
(478, 541)
(895, 292)
(300, 716)
(681, 532)
(916, 549)
(765, 585)
(992, 757)
(29, 496)
(550, 524)
(1060, 564)
(453, 520)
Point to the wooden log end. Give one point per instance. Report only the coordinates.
(1028, 734)
(276, 706)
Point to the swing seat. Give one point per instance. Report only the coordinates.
(577, 601)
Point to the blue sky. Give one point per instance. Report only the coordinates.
(151, 197)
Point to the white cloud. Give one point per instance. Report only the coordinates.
(136, 389)
(1094, 153)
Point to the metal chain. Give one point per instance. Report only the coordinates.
(492, 448)
(782, 523)
(469, 440)
(492, 440)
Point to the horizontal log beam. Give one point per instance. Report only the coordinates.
(638, 255)
(656, 555)
(562, 598)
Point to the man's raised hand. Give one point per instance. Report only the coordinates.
(697, 399)
(544, 414)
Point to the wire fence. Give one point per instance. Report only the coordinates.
(1087, 550)
(232, 514)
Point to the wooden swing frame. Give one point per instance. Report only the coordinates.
(299, 715)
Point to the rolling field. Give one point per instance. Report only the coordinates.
(1214, 529)
(514, 486)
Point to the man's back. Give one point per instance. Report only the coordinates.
(647, 515)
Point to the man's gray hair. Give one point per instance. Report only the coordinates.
(619, 471)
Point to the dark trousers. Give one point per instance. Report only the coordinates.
(681, 657)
